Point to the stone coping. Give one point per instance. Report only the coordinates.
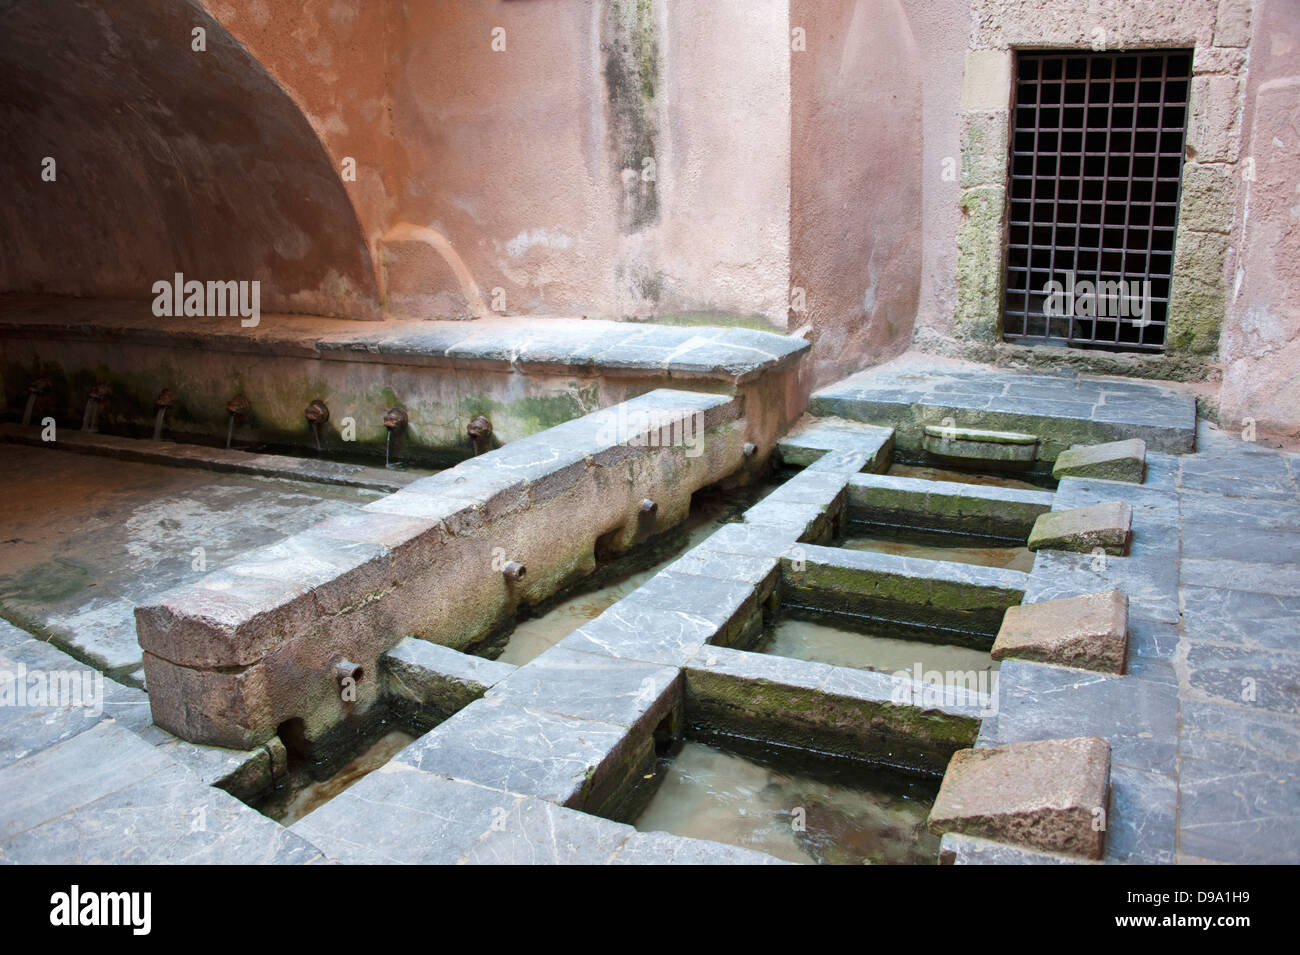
(546, 345)
(946, 504)
(212, 459)
(835, 568)
(234, 616)
(1061, 409)
(818, 440)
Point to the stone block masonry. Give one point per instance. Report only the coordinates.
(1048, 795)
(231, 658)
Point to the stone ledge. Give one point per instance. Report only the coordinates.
(1088, 632)
(1062, 409)
(212, 459)
(847, 441)
(946, 505)
(1049, 795)
(1114, 461)
(591, 686)
(852, 713)
(582, 764)
(967, 597)
(437, 678)
(558, 346)
(1083, 529)
(998, 448)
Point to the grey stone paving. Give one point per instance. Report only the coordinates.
(1205, 725)
(89, 538)
(91, 780)
(1062, 409)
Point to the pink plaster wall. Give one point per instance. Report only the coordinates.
(511, 156)
(942, 33)
(1260, 345)
(856, 180)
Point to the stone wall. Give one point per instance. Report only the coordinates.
(1218, 31)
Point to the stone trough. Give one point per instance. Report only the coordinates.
(234, 657)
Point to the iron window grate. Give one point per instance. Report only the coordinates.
(1096, 174)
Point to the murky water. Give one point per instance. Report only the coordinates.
(532, 637)
(933, 545)
(849, 818)
(984, 478)
(823, 643)
(300, 801)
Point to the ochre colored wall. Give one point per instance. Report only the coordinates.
(1260, 345)
(167, 160)
(856, 180)
(514, 158)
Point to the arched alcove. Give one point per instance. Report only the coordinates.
(168, 159)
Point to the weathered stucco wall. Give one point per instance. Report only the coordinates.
(855, 181)
(1261, 336)
(166, 159)
(551, 157)
(941, 29)
(625, 159)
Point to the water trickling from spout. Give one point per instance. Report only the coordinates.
(90, 416)
(27, 411)
(230, 431)
(388, 443)
(158, 424)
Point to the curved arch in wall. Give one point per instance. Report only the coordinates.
(167, 159)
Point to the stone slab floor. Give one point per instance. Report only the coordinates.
(1204, 727)
(84, 539)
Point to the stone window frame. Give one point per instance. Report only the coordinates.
(1218, 32)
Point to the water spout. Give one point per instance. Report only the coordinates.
(317, 415)
(237, 408)
(395, 419)
(162, 404)
(480, 434)
(99, 396)
(39, 386)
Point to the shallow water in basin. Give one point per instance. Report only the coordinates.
(823, 643)
(302, 800)
(850, 818)
(534, 636)
(934, 547)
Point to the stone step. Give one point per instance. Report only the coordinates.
(1061, 410)
(946, 505)
(838, 445)
(1048, 795)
